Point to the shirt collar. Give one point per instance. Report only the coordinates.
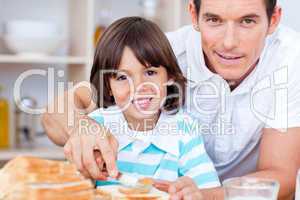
(159, 137)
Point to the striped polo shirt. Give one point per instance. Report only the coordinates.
(171, 150)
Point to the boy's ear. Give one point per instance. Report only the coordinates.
(170, 82)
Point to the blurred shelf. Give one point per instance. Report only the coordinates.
(47, 153)
(5, 58)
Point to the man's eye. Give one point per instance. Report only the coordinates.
(151, 72)
(121, 77)
(213, 20)
(248, 21)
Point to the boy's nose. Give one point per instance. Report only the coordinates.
(142, 86)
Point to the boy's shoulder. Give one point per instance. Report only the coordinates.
(186, 126)
(183, 116)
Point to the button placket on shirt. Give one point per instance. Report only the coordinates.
(224, 139)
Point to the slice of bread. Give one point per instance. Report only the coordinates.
(40, 177)
(115, 192)
(81, 190)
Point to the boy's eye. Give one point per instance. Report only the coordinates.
(121, 77)
(151, 72)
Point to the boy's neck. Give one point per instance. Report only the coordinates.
(145, 124)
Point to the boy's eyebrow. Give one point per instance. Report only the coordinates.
(124, 71)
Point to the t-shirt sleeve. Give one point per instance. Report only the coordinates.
(98, 116)
(195, 163)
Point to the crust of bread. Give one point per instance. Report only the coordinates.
(113, 193)
(42, 179)
(82, 190)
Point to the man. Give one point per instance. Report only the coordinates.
(244, 94)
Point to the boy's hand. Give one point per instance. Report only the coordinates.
(91, 151)
(184, 188)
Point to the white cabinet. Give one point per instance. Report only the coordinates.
(77, 20)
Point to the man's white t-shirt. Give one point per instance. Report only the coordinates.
(232, 121)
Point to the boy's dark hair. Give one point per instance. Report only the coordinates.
(150, 46)
(270, 5)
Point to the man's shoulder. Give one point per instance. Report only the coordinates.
(178, 39)
(286, 34)
(285, 41)
(282, 50)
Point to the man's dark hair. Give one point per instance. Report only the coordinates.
(270, 5)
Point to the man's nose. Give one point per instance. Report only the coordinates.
(230, 40)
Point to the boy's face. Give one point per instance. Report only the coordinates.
(139, 89)
(233, 34)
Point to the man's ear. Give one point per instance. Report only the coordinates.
(194, 15)
(275, 19)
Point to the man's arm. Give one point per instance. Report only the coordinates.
(56, 123)
(279, 159)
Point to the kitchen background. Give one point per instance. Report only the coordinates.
(62, 43)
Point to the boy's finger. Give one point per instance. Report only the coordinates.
(88, 159)
(77, 154)
(99, 159)
(108, 156)
(179, 184)
(68, 152)
(162, 187)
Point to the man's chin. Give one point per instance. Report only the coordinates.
(230, 73)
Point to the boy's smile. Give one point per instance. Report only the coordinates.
(138, 90)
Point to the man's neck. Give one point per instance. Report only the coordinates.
(235, 83)
(232, 83)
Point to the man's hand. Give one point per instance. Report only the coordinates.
(279, 159)
(91, 152)
(184, 188)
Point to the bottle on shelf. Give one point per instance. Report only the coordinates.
(4, 122)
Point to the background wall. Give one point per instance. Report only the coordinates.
(291, 13)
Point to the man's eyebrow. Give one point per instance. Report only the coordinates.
(250, 16)
(209, 15)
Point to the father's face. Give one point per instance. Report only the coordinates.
(233, 34)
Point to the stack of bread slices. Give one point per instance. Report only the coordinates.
(31, 178)
(25, 178)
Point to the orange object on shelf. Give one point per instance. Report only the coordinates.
(4, 123)
(98, 32)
